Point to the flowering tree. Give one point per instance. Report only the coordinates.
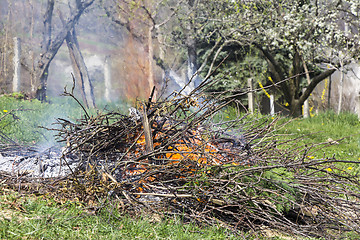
(303, 42)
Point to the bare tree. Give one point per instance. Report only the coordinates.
(50, 45)
(78, 64)
(4, 73)
(80, 69)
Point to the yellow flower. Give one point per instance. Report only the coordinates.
(5, 111)
(349, 168)
(286, 104)
(311, 157)
(227, 117)
(329, 169)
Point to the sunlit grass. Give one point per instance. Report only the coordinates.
(339, 134)
(31, 217)
(342, 132)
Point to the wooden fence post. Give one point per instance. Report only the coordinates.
(341, 87)
(272, 105)
(250, 95)
(17, 65)
(306, 107)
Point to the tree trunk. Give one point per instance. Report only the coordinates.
(80, 69)
(76, 68)
(192, 61)
(43, 67)
(5, 51)
(290, 89)
(295, 108)
(31, 51)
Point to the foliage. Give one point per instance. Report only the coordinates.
(232, 75)
(281, 178)
(293, 37)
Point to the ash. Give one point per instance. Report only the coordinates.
(32, 162)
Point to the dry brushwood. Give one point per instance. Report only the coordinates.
(179, 157)
(182, 157)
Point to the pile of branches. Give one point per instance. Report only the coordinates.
(183, 156)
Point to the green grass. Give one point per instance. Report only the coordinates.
(34, 218)
(321, 128)
(328, 127)
(22, 125)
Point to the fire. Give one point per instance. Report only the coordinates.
(192, 155)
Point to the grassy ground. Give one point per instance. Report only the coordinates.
(340, 132)
(23, 118)
(31, 217)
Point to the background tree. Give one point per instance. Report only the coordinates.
(78, 64)
(50, 45)
(137, 19)
(150, 22)
(295, 38)
(291, 45)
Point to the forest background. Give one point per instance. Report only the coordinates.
(120, 50)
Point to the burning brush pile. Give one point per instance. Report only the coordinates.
(182, 157)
